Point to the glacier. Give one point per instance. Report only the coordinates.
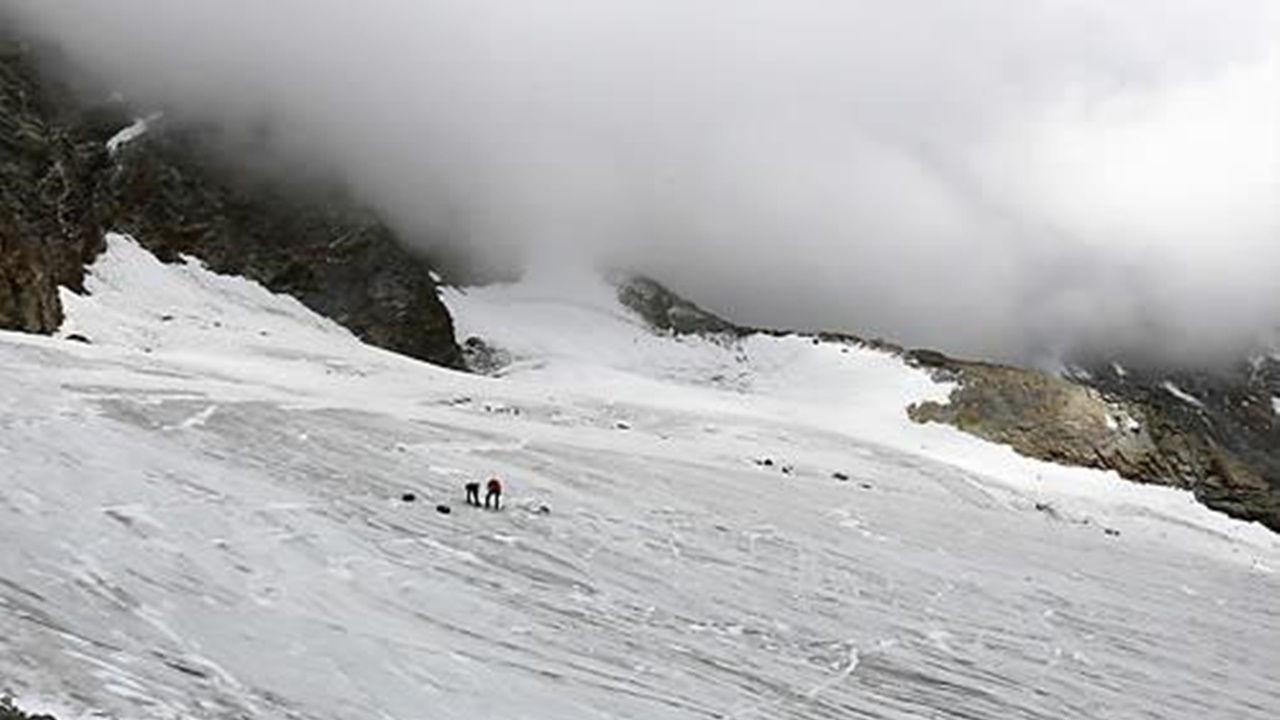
(201, 513)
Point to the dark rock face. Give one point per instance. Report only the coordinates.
(664, 310)
(49, 227)
(60, 189)
(309, 241)
(1232, 407)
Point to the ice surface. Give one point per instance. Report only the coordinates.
(201, 518)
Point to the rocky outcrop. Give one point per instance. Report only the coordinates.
(171, 188)
(665, 311)
(1143, 435)
(1233, 407)
(10, 711)
(309, 240)
(49, 227)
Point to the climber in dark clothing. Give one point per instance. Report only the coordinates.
(493, 492)
(473, 493)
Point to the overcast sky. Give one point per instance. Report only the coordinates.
(1006, 178)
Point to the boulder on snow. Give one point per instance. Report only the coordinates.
(1047, 509)
(9, 711)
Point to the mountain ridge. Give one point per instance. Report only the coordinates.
(73, 170)
(1127, 421)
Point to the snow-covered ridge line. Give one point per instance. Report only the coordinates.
(570, 334)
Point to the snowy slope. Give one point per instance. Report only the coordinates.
(200, 518)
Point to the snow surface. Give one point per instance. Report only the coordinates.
(201, 518)
(139, 128)
(1181, 394)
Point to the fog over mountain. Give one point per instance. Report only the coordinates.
(1005, 178)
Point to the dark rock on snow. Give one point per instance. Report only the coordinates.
(9, 711)
(484, 359)
(666, 311)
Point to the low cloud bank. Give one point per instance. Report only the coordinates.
(1007, 178)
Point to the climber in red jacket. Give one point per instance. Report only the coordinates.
(493, 492)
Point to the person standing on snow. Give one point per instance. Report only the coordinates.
(493, 492)
(473, 493)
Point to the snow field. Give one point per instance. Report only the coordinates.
(203, 520)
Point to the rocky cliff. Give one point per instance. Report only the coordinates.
(67, 175)
(50, 163)
(1144, 428)
(1234, 407)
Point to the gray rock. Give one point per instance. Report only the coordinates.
(666, 311)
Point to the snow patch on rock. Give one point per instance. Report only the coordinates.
(1181, 394)
(139, 128)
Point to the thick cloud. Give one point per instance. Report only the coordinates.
(1009, 178)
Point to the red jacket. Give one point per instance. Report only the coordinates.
(495, 486)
